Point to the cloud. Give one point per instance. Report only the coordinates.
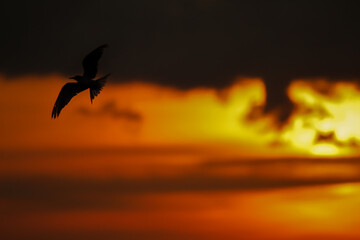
(187, 44)
(63, 191)
(110, 109)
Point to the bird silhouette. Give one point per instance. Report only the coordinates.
(71, 89)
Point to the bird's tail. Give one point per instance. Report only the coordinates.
(97, 86)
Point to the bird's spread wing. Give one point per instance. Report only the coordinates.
(90, 62)
(67, 92)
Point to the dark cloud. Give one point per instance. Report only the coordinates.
(325, 137)
(51, 193)
(330, 137)
(94, 234)
(42, 192)
(110, 109)
(186, 43)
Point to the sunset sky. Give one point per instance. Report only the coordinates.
(221, 120)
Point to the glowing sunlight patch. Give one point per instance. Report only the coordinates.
(325, 149)
(346, 189)
(327, 116)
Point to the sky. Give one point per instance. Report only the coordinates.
(188, 43)
(220, 120)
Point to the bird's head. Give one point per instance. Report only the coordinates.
(77, 77)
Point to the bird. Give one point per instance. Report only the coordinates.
(86, 81)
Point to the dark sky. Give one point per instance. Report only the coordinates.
(185, 43)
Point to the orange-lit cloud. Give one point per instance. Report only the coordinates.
(168, 116)
(324, 121)
(324, 109)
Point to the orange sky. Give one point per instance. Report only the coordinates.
(148, 162)
(127, 114)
